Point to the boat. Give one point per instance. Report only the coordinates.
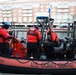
(58, 64)
(19, 64)
(31, 66)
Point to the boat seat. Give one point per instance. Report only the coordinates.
(62, 47)
(59, 49)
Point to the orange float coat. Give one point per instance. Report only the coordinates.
(53, 36)
(33, 35)
(3, 35)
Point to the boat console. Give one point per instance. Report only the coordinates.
(66, 47)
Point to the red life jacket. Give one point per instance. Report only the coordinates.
(53, 36)
(33, 35)
(3, 35)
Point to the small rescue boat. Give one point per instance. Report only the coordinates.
(23, 66)
(19, 64)
(31, 66)
(62, 59)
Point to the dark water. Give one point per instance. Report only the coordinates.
(23, 74)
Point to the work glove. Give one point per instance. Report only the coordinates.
(10, 32)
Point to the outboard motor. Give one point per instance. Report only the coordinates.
(70, 47)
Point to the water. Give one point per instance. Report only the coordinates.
(20, 74)
(9, 74)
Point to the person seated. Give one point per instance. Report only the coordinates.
(52, 36)
(4, 39)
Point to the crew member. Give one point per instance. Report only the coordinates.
(52, 36)
(4, 39)
(52, 42)
(33, 38)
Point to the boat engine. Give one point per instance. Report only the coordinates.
(70, 47)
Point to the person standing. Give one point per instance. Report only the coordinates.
(4, 39)
(33, 38)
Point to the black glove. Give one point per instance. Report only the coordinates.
(10, 32)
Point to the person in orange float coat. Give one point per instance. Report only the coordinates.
(53, 37)
(4, 39)
(33, 38)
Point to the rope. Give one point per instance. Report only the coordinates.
(23, 62)
(51, 62)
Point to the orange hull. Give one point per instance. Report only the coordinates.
(21, 65)
(47, 65)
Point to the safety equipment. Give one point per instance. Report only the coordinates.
(5, 25)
